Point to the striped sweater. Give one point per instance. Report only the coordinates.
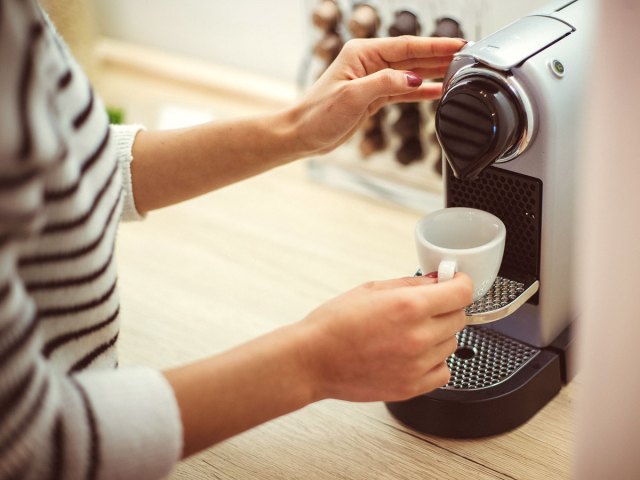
(65, 410)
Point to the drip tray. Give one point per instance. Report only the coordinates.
(503, 298)
(485, 358)
(497, 383)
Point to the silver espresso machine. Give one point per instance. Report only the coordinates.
(508, 124)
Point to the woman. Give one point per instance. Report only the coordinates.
(66, 178)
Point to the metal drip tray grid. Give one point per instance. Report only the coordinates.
(486, 358)
(503, 298)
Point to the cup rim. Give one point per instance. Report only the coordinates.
(499, 237)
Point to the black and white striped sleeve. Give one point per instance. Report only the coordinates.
(63, 412)
(99, 424)
(106, 424)
(124, 136)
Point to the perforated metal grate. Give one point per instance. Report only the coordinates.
(485, 358)
(517, 200)
(502, 292)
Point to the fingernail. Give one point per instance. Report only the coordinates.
(432, 275)
(413, 80)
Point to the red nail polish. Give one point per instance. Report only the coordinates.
(413, 79)
(432, 275)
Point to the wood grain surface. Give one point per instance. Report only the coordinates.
(203, 276)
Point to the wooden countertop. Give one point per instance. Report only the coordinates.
(208, 274)
(203, 276)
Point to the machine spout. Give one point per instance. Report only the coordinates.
(478, 122)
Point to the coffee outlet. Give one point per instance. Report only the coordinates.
(507, 126)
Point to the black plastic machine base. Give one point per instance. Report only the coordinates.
(489, 410)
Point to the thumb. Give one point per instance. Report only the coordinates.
(414, 281)
(385, 83)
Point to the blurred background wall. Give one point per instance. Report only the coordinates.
(259, 51)
(273, 37)
(267, 37)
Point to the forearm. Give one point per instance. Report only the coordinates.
(175, 165)
(171, 166)
(383, 340)
(228, 393)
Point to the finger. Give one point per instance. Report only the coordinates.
(417, 63)
(450, 323)
(383, 83)
(428, 91)
(436, 354)
(432, 73)
(379, 103)
(437, 334)
(399, 49)
(444, 297)
(437, 377)
(401, 282)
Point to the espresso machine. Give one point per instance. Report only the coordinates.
(508, 124)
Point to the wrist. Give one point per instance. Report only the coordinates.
(305, 362)
(255, 382)
(294, 132)
(283, 126)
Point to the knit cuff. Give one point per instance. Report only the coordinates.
(124, 136)
(138, 422)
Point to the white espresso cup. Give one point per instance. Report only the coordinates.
(461, 239)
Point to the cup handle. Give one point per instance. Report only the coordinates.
(446, 270)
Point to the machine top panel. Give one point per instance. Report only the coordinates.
(578, 14)
(552, 7)
(515, 43)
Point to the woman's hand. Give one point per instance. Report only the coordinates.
(386, 340)
(381, 341)
(368, 74)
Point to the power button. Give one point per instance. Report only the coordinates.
(557, 68)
